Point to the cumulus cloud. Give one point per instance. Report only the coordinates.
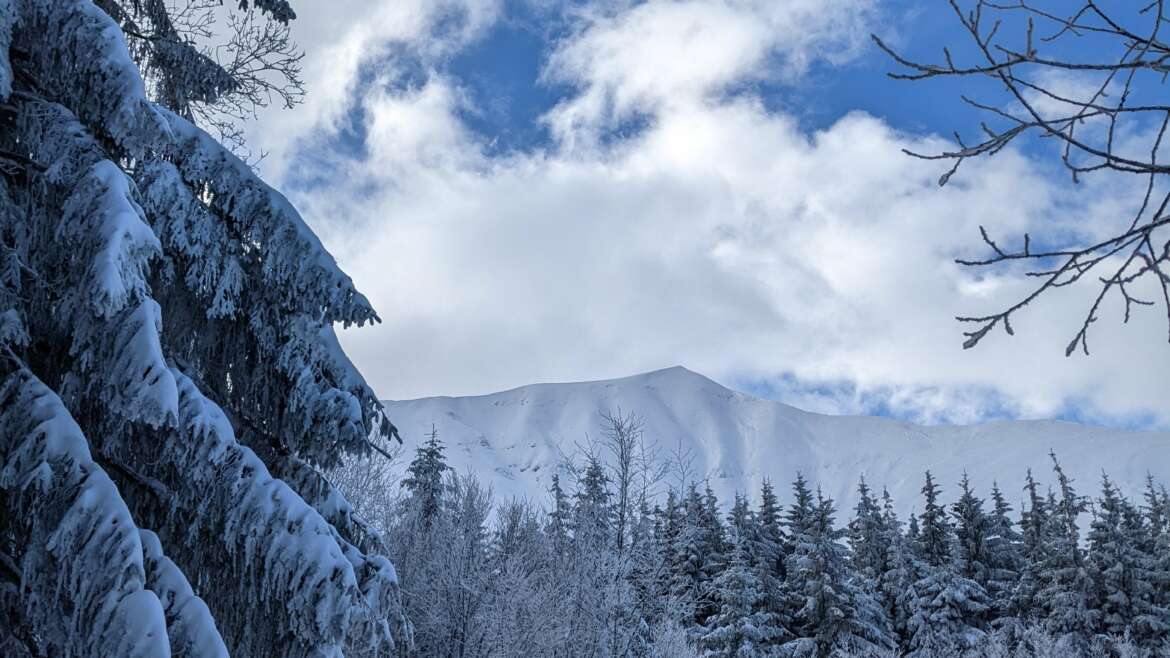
(662, 55)
(349, 41)
(720, 235)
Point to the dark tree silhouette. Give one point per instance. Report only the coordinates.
(1119, 57)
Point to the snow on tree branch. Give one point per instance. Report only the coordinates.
(82, 571)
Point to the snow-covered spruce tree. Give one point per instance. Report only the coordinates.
(170, 382)
(768, 554)
(696, 557)
(741, 522)
(797, 524)
(742, 626)
(1003, 559)
(948, 609)
(1025, 605)
(838, 613)
(1157, 512)
(866, 533)
(425, 481)
(1123, 571)
(971, 530)
(556, 527)
(1066, 587)
(647, 574)
(894, 585)
(588, 602)
(422, 530)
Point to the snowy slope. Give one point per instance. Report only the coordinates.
(515, 440)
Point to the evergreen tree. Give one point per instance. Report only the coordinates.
(687, 572)
(971, 534)
(424, 478)
(1003, 558)
(1154, 509)
(742, 626)
(559, 520)
(912, 534)
(948, 608)
(797, 522)
(594, 587)
(868, 539)
(647, 570)
(769, 559)
(1158, 513)
(895, 590)
(715, 534)
(1123, 571)
(506, 594)
(592, 511)
(771, 533)
(1067, 589)
(1035, 528)
(713, 544)
(935, 537)
(741, 521)
(838, 613)
(171, 385)
(769, 514)
(800, 514)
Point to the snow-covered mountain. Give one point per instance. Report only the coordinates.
(515, 440)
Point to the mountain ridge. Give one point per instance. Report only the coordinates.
(515, 439)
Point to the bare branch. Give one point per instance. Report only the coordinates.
(1086, 121)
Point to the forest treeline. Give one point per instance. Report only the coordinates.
(608, 567)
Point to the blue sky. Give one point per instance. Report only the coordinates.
(545, 191)
(501, 70)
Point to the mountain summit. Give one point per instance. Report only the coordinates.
(516, 439)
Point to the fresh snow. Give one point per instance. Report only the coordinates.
(514, 440)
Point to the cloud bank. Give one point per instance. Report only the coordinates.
(673, 218)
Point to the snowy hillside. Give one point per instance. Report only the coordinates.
(515, 439)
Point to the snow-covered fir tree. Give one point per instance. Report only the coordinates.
(838, 612)
(1003, 559)
(742, 626)
(895, 591)
(948, 609)
(171, 387)
(1026, 606)
(1157, 510)
(768, 558)
(558, 523)
(425, 478)
(867, 537)
(694, 560)
(647, 576)
(971, 535)
(1124, 571)
(1066, 586)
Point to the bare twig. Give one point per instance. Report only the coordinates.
(1113, 100)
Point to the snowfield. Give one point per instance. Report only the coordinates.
(515, 440)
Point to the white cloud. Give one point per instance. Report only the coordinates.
(656, 56)
(721, 236)
(340, 37)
